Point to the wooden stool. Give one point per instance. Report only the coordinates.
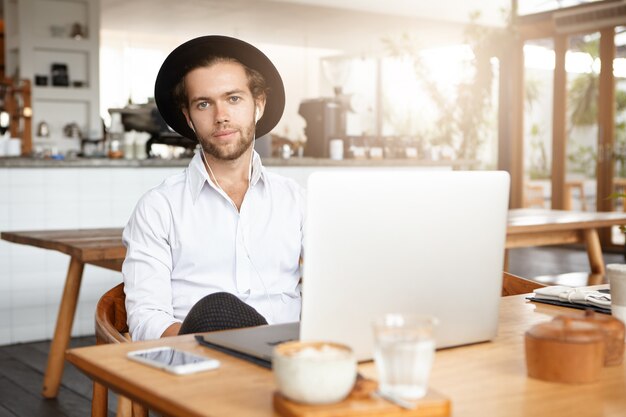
(533, 195)
(580, 185)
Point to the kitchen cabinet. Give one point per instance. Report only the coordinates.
(55, 44)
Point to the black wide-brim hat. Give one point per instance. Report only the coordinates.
(188, 55)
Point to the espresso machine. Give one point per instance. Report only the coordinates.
(146, 118)
(325, 120)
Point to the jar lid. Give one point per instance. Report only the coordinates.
(605, 320)
(568, 330)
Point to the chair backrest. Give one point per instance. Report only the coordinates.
(533, 195)
(513, 285)
(111, 317)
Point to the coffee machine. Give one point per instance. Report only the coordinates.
(325, 120)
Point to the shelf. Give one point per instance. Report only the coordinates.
(33, 49)
(62, 93)
(65, 44)
(77, 63)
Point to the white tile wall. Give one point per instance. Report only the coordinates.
(57, 261)
(62, 185)
(4, 211)
(27, 299)
(60, 215)
(28, 323)
(5, 273)
(29, 285)
(24, 260)
(6, 303)
(28, 177)
(5, 334)
(28, 332)
(26, 215)
(32, 279)
(94, 213)
(4, 178)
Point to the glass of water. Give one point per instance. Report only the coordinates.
(404, 350)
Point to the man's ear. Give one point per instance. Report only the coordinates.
(189, 122)
(260, 108)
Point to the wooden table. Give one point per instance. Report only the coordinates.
(539, 227)
(101, 247)
(486, 379)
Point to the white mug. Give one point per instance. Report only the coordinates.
(314, 372)
(617, 281)
(14, 147)
(336, 149)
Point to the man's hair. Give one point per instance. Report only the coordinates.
(256, 82)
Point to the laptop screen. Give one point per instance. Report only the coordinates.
(397, 241)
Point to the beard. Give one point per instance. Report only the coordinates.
(229, 151)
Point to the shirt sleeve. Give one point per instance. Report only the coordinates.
(147, 268)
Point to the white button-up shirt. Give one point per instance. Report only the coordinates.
(186, 239)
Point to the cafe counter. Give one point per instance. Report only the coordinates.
(269, 162)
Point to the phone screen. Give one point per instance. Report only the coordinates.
(170, 357)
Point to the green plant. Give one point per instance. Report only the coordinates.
(582, 159)
(464, 117)
(538, 167)
(583, 90)
(619, 153)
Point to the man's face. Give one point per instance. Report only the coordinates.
(221, 109)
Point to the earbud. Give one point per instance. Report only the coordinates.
(257, 114)
(191, 126)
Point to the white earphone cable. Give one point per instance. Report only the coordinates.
(245, 246)
(267, 294)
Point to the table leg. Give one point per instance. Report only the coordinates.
(594, 251)
(595, 279)
(505, 267)
(99, 401)
(139, 410)
(65, 318)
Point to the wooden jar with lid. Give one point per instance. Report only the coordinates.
(613, 330)
(566, 350)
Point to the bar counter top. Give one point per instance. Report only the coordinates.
(270, 162)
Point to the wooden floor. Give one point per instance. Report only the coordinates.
(21, 375)
(22, 365)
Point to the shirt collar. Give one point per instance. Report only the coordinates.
(198, 175)
(258, 170)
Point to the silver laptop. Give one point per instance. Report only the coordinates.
(382, 241)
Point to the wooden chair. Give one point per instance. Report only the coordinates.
(569, 196)
(514, 285)
(533, 195)
(111, 327)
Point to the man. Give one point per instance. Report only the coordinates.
(217, 246)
